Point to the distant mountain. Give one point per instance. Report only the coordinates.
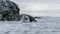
(42, 17)
(37, 17)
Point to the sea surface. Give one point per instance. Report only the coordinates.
(42, 26)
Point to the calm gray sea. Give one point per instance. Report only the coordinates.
(42, 26)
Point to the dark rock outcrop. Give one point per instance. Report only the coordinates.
(8, 10)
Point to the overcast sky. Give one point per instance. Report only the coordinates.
(39, 7)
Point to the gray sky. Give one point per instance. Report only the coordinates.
(39, 7)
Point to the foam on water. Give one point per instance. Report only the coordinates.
(43, 26)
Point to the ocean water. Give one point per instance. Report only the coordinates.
(42, 26)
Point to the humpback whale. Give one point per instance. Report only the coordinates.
(27, 18)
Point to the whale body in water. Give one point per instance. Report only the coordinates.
(27, 18)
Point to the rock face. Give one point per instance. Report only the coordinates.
(9, 10)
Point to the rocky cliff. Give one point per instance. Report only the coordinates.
(9, 10)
